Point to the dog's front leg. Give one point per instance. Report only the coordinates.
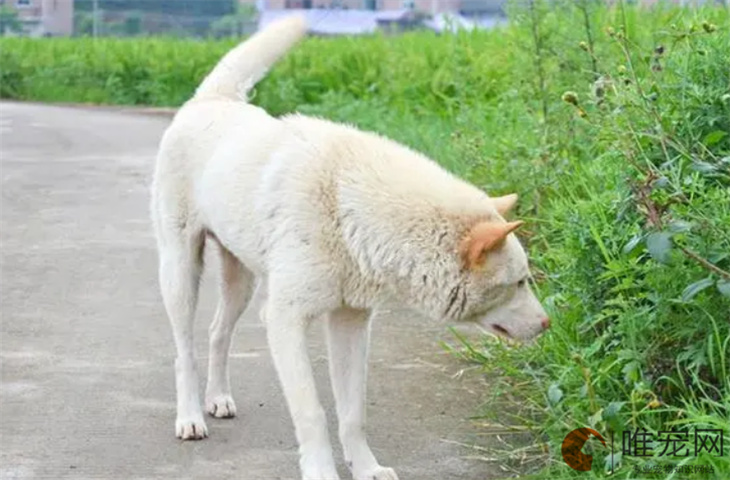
(348, 335)
(286, 336)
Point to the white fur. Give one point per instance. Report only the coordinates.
(336, 221)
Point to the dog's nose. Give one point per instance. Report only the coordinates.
(545, 322)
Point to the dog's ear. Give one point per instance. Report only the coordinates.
(484, 237)
(505, 203)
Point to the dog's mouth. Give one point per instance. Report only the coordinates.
(501, 330)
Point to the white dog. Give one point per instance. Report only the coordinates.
(335, 221)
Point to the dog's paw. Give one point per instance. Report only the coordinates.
(327, 475)
(191, 428)
(221, 406)
(314, 468)
(378, 473)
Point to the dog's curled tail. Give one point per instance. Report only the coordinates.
(241, 68)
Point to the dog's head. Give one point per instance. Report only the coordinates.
(495, 279)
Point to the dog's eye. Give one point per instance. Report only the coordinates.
(522, 282)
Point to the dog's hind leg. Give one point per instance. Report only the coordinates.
(235, 292)
(180, 269)
(348, 335)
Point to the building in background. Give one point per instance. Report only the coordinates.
(220, 18)
(463, 7)
(430, 7)
(352, 17)
(40, 18)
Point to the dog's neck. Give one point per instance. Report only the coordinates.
(413, 250)
(402, 218)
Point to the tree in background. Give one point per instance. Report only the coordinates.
(133, 23)
(135, 17)
(204, 8)
(9, 21)
(83, 23)
(239, 23)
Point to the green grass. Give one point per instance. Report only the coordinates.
(618, 143)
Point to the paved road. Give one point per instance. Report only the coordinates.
(87, 357)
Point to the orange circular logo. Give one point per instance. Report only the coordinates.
(572, 446)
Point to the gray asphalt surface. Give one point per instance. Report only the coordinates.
(87, 353)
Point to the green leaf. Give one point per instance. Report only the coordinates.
(714, 137)
(627, 354)
(583, 392)
(679, 226)
(703, 167)
(661, 182)
(718, 257)
(554, 393)
(631, 372)
(659, 245)
(724, 287)
(592, 349)
(595, 418)
(612, 409)
(695, 288)
(631, 245)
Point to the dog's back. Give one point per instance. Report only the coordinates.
(218, 107)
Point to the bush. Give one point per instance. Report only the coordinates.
(612, 124)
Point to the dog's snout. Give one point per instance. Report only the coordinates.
(545, 322)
